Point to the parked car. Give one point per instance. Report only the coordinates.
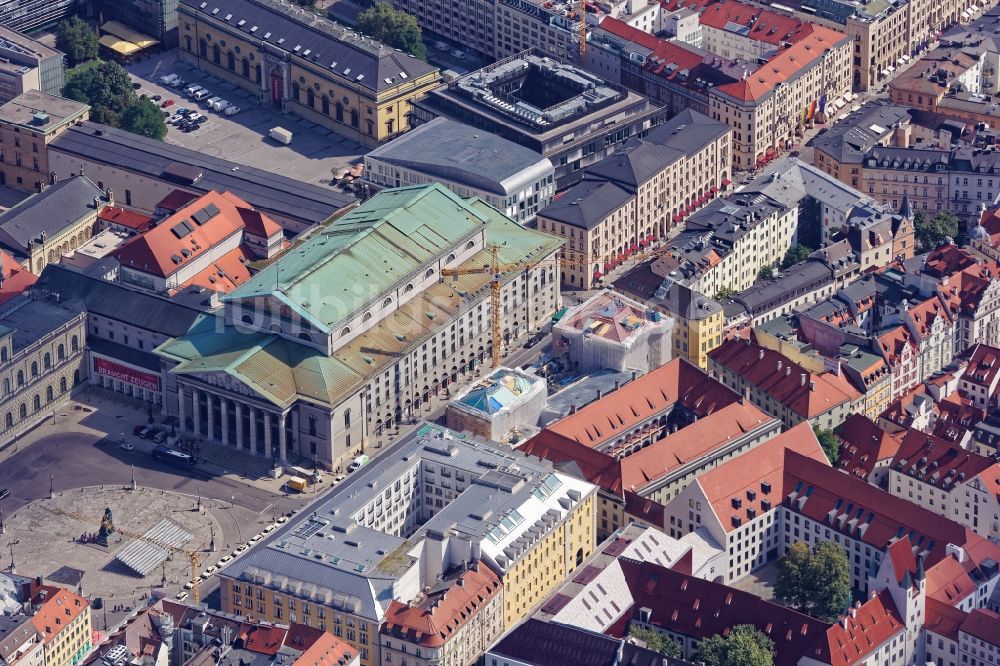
(125, 446)
(201, 120)
(178, 84)
(194, 117)
(458, 53)
(136, 86)
(201, 94)
(160, 436)
(220, 105)
(181, 596)
(441, 46)
(232, 111)
(192, 89)
(169, 79)
(137, 431)
(156, 98)
(175, 119)
(212, 100)
(166, 103)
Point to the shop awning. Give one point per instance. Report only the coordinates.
(119, 46)
(124, 32)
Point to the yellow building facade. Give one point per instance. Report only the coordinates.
(303, 64)
(64, 623)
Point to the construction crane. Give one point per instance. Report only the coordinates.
(192, 554)
(582, 27)
(495, 269)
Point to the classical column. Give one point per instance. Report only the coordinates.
(239, 423)
(282, 443)
(209, 409)
(180, 408)
(224, 418)
(196, 410)
(296, 434)
(268, 451)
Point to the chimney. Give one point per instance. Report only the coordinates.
(600, 394)
(111, 197)
(812, 385)
(635, 374)
(618, 384)
(572, 409)
(802, 380)
(779, 366)
(760, 355)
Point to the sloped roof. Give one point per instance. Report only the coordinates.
(59, 609)
(753, 22)
(864, 630)
(587, 204)
(941, 464)
(863, 445)
(596, 467)
(50, 212)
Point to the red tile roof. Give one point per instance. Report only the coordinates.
(166, 248)
(692, 442)
(265, 639)
(125, 218)
(16, 278)
(863, 445)
(176, 200)
(746, 482)
(900, 553)
(224, 274)
(639, 401)
(949, 581)
(893, 343)
(947, 260)
(258, 224)
(596, 467)
(984, 368)
(863, 631)
(699, 608)
(984, 624)
(434, 619)
(326, 650)
(784, 65)
(925, 313)
(942, 464)
(943, 619)
(764, 26)
(806, 393)
(879, 518)
(57, 612)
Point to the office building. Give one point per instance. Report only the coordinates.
(305, 64)
(564, 113)
(454, 510)
(32, 16)
(513, 179)
(501, 407)
(27, 64)
(156, 18)
(28, 124)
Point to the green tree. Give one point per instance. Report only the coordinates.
(393, 27)
(145, 118)
(931, 232)
(76, 39)
(795, 254)
(765, 273)
(656, 641)
(830, 443)
(744, 646)
(106, 87)
(817, 581)
(724, 293)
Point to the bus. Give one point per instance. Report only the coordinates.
(173, 457)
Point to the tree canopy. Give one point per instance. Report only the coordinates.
(744, 646)
(795, 254)
(930, 232)
(106, 87)
(830, 443)
(144, 118)
(393, 27)
(77, 40)
(765, 273)
(724, 293)
(656, 641)
(816, 582)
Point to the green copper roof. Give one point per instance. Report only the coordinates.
(371, 250)
(284, 371)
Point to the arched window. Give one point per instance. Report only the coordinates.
(61, 351)
(306, 337)
(451, 258)
(367, 316)
(347, 418)
(246, 68)
(247, 319)
(20, 378)
(34, 369)
(202, 49)
(310, 97)
(62, 385)
(216, 54)
(23, 411)
(50, 394)
(346, 331)
(231, 61)
(9, 420)
(339, 112)
(470, 245)
(295, 91)
(187, 43)
(326, 105)
(37, 402)
(408, 288)
(387, 302)
(3, 354)
(74, 344)
(429, 273)
(312, 425)
(47, 361)
(355, 118)
(276, 328)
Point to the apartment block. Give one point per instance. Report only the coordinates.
(28, 124)
(63, 620)
(27, 64)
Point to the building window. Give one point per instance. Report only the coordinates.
(339, 112)
(295, 91)
(355, 118)
(326, 105)
(310, 97)
(347, 418)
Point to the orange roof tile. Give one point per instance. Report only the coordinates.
(638, 401)
(59, 610)
(864, 630)
(16, 278)
(326, 650)
(596, 467)
(764, 26)
(943, 619)
(941, 464)
(225, 274)
(949, 581)
(434, 619)
(863, 445)
(125, 218)
(984, 624)
(747, 481)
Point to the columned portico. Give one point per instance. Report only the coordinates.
(196, 411)
(224, 418)
(282, 438)
(268, 449)
(239, 424)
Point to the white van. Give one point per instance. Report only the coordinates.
(281, 135)
(212, 100)
(169, 79)
(220, 105)
(232, 111)
(192, 89)
(201, 94)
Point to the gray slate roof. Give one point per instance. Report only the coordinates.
(330, 46)
(587, 203)
(50, 211)
(460, 153)
(261, 189)
(35, 319)
(848, 140)
(114, 301)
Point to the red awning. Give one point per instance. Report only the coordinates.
(713, 189)
(607, 266)
(633, 248)
(651, 237)
(677, 218)
(725, 182)
(770, 151)
(598, 275)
